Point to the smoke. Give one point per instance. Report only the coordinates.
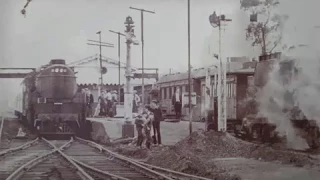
(8, 95)
(287, 97)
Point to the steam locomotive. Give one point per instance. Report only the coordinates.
(52, 104)
(261, 128)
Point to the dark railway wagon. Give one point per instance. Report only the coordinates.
(52, 103)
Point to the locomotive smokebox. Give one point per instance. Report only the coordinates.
(56, 81)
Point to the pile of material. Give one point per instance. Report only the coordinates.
(132, 151)
(192, 154)
(99, 133)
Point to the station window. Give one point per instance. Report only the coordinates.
(187, 88)
(166, 94)
(162, 93)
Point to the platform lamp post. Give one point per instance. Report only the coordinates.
(128, 128)
(216, 21)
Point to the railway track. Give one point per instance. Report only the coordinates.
(14, 158)
(103, 153)
(76, 159)
(99, 161)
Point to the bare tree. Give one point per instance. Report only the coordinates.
(267, 32)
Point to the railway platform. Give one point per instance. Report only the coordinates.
(171, 133)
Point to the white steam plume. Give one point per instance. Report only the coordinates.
(303, 93)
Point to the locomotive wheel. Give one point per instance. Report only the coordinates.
(255, 133)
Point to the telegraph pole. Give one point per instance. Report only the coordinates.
(142, 43)
(103, 70)
(119, 67)
(100, 58)
(189, 70)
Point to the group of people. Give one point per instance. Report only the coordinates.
(106, 102)
(149, 119)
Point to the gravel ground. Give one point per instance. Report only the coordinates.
(192, 153)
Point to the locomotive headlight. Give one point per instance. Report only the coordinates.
(57, 70)
(61, 70)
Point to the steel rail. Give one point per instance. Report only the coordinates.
(92, 170)
(2, 123)
(173, 174)
(25, 167)
(23, 146)
(80, 172)
(98, 172)
(138, 167)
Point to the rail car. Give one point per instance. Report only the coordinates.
(239, 77)
(52, 104)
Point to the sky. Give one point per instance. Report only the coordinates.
(61, 28)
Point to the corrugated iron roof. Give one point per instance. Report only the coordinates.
(232, 67)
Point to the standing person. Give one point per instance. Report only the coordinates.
(113, 107)
(136, 101)
(90, 101)
(139, 121)
(109, 102)
(157, 115)
(177, 103)
(147, 127)
(102, 102)
(114, 96)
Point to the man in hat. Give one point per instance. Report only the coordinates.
(109, 102)
(102, 101)
(136, 101)
(177, 103)
(113, 110)
(90, 101)
(157, 118)
(114, 96)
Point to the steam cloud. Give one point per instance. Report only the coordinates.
(303, 93)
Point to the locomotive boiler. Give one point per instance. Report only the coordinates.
(52, 103)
